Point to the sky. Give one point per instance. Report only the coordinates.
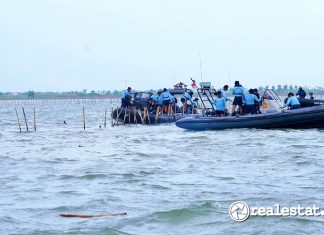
(69, 45)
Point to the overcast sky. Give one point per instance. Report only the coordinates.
(64, 45)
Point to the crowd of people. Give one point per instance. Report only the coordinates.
(242, 103)
(164, 100)
(246, 104)
(250, 103)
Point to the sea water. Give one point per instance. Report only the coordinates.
(168, 180)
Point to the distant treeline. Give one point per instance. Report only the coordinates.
(59, 95)
(280, 89)
(284, 89)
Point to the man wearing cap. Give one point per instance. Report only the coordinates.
(126, 98)
(250, 100)
(292, 101)
(220, 103)
(238, 93)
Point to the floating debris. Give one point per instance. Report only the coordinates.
(92, 216)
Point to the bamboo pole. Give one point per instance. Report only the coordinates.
(18, 120)
(25, 118)
(135, 119)
(140, 114)
(125, 113)
(34, 119)
(170, 110)
(105, 122)
(112, 116)
(148, 115)
(117, 117)
(144, 117)
(84, 121)
(157, 115)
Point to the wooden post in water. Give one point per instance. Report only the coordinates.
(140, 114)
(25, 118)
(125, 113)
(148, 116)
(112, 116)
(135, 119)
(117, 117)
(144, 116)
(105, 122)
(157, 115)
(34, 119)
(18, 120)
(84, 122)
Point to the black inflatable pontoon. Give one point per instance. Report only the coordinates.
(310, 102)
(134, 116)
(310, 117)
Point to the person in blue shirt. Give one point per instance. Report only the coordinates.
(224, 90)
(250, 100)
(166, 99)
(192, 108)
(301, 93)
(153, 102)
(160, 101)
(238, 93)
(195, 103)
(257, 104)
(126, 98)
(292, 102)
(187, 96)
(155, 98)
(220, 103)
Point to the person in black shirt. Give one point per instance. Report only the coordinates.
(301, 93)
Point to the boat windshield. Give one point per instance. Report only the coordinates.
(270, 95)
(271, 102)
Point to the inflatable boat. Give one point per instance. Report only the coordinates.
(137, 116)
(137, 112)
(309, 102)
(309, 117)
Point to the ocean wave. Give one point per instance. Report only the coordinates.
(87, 176)
(183, 214)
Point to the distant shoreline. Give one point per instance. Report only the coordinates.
(60, 98)
(70, 95)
